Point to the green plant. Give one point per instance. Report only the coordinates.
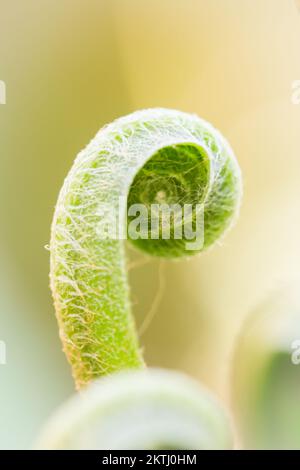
(266, 372)
(150, 156)
(148, 409)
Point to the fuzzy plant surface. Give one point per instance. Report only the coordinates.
(153, 158)
(148, 157)
(149, 409)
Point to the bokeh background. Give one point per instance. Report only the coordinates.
(70, 66)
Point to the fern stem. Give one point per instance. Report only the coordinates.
(139, 158)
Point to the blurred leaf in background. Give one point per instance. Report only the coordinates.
(266, 376)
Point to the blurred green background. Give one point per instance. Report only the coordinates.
(70, 66)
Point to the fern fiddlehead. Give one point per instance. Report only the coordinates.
(147, 158)
(139, 157)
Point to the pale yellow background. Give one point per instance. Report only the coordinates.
(72, 65)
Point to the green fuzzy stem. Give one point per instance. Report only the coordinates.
(146, 157)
